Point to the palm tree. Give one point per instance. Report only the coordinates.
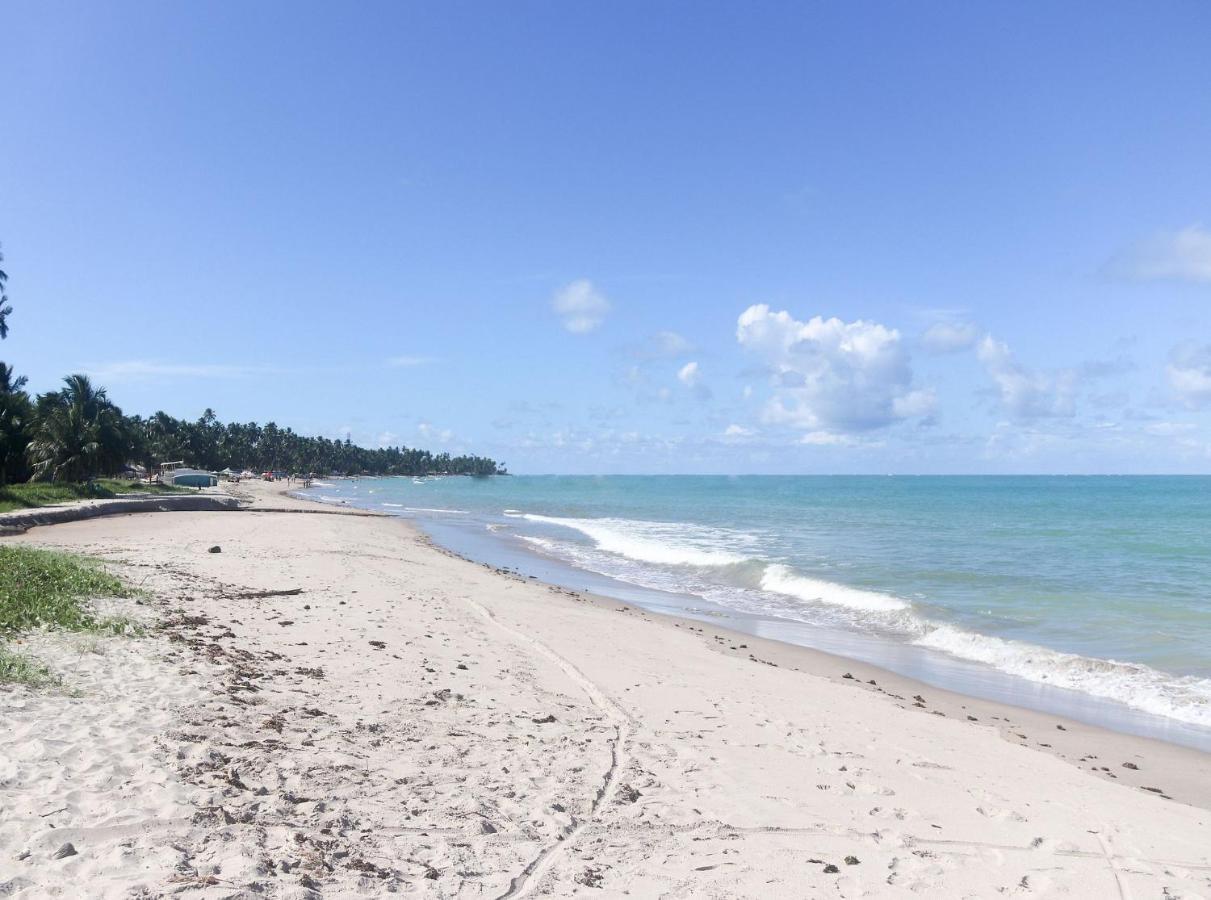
(10, 382)
(5, 309)
(78, 433)
(15, 414)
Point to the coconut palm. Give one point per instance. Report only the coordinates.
(5, 309)
(78, 433)
(10, 382)
(15, 414)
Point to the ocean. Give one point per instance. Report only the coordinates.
(1086, 596)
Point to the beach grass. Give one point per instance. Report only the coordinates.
(18, 669)
(44, 493)
(46, 589)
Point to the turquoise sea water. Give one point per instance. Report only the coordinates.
(1095, 585)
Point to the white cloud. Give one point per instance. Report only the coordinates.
(1169, 429)
(137, 370)
(826, 439)
(832, 377)
(736, 432)
(1015, 442)
(920, 403)
(1189, 372)
(431, 433)
(1183, 255)
(689, 374)
(1023, 393)
(581, 306)
(949, 337)
(662, 345)
(405, 362)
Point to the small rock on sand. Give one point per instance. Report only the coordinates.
(66, 850)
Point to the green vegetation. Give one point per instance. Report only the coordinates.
(77, 433)
(42, 588)
(40, 493)
(45, 589)
(209, 444)
(18, 669)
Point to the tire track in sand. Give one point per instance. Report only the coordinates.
(619, 757)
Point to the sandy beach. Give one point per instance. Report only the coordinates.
(333, 707)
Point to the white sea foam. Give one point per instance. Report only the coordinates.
(322, 484)
(779, 579)
(453, 512)
(663, 543)
(541, 543)
(395, 505)
(1185, 698)
(326, 498)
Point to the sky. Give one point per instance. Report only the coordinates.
(627, 237)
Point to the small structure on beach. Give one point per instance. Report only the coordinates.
(190, 478)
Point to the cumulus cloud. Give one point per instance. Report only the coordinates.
(920, 403)
(1183, 255)
(1189, 372)
(949, 337)
(1023, 393)
(737, 431)
(691, 376)
(832, 377)
(580, 306)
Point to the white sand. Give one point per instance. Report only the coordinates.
(264, 747)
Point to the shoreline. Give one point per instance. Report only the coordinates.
(1080, 659)
(413, 720)
(957, 702)
(1060, 736)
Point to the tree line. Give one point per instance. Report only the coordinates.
(77, 433)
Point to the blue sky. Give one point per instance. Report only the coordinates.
(627, 237)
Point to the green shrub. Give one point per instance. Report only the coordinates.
(42, 588)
